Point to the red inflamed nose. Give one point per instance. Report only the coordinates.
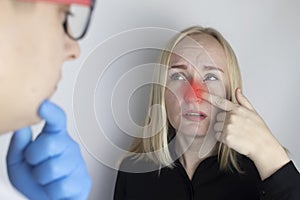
(196, 90)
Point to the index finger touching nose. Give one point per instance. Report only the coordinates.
(218, 101)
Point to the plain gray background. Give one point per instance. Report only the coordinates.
(263, 33)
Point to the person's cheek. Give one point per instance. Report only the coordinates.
(217, 88)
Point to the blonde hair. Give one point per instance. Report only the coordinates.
(155, 148)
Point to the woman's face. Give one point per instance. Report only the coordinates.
(196, 65)
(33, 48)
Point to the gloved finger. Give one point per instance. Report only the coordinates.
(75, 186)
(18, 143)
(54, 116)
(54, 138)
(21, 178)
(58, 167)
(47, 146)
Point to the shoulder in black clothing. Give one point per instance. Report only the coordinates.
(172, 183)
(134, 183)
(134, 164)
(208, 182)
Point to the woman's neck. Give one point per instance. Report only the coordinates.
(191, 151)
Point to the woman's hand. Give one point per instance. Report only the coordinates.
(241, 128)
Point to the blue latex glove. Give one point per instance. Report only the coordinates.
(51, 167)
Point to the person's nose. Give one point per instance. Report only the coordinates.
(194, 91)
(72, 49)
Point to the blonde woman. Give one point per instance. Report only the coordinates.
(207, 141)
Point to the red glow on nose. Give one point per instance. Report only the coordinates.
(194, 91)
(197, 89)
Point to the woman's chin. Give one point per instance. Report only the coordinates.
(195, 129)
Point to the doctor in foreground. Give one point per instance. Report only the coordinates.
(36, 38)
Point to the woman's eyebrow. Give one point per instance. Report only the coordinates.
(178, 67)
(207, 68)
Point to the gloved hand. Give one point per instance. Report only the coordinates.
(51, 167)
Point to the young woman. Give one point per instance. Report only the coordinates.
(37, 37)
(207, 141)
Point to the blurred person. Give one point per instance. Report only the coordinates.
(37, 37)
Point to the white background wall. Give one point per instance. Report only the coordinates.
(263, 33)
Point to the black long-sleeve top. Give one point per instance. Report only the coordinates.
(208, 183)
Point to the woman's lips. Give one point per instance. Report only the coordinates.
(194, 115)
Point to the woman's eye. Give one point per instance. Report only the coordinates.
(178, 76)
(210, 77)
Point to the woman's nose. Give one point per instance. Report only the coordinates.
(194, 91)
